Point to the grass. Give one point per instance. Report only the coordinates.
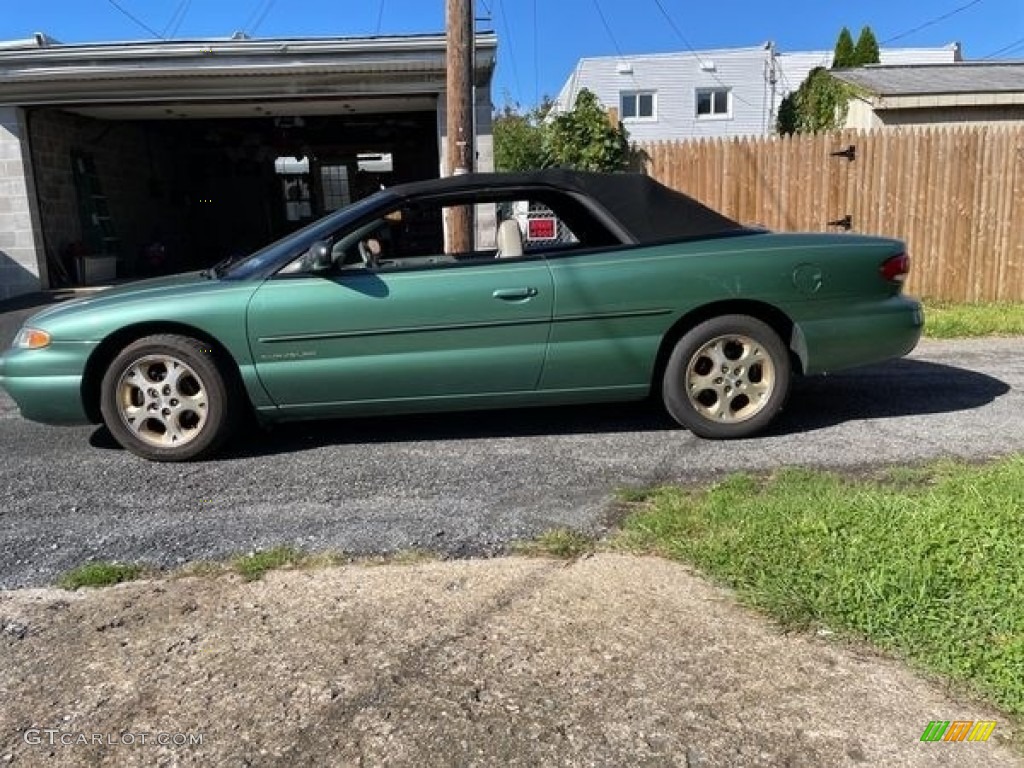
(252, 566)
(99, 574)
(256, 564)
(927, 563)
(560, 543)
(945, 320)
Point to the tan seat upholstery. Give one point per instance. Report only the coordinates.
(510, 240)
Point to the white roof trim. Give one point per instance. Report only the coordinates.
(112, 73)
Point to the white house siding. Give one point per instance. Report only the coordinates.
(19, 254)
(675, 77)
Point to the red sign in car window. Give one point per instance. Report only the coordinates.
(543, 228)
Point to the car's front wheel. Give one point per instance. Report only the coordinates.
(164, 398)
(727, 378)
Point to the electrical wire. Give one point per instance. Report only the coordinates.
(256, 11)
(932, 22)
(270, 5)
(380, 18)
(181, 18)
(511, 48)
(608, 28)
(693, 50)
(137, 20)
(536, 57)
(174, 16)
(1011, 48)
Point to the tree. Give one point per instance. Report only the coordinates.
(519, 138)
(845, 55)
(585, 139)
(866, 51)
(788, 117)
(819, 104)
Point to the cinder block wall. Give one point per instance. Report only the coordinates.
(51, 138)
(21, 270)
(131, 162)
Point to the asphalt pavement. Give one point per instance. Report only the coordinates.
(466, 485)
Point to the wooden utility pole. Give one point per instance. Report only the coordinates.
(461, 149)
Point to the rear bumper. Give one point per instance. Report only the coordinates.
(46, 383)
(861, 334)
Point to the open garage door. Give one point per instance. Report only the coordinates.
(135, 191)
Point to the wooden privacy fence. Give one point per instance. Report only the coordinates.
(955, 195)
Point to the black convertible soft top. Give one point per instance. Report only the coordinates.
(644, 208)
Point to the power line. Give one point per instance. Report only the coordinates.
(380, 17)
(608, 28)
(536, 57)
(932, 22)
(700, 61)
(1011, 48)
(257, 14)
(270, 5)
(181, 18)
(138, 21)
(511, 48)
(174, 16)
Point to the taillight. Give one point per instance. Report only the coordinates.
(895, 269)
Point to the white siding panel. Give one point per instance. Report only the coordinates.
(677, 76)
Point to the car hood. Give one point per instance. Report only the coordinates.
(157, 298)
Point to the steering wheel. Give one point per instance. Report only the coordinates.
(368, 254)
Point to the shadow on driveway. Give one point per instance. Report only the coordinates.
(895, 389)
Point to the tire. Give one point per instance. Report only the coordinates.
(727, 378)
(165, 399)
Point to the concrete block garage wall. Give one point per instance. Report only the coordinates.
(52, 139)
(20, 269)
(135, 167)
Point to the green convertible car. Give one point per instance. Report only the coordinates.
(579, 288)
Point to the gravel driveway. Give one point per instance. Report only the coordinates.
(469, 484)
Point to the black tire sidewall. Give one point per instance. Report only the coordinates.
(673, 384)
(199, 357)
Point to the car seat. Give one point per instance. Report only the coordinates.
(510, 240)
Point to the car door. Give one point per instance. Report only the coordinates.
(429, 334)
(612, 310)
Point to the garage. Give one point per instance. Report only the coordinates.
(120, 161)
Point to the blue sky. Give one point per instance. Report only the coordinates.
(537, 52)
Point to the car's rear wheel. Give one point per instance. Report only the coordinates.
(164, 398)
(727, 378)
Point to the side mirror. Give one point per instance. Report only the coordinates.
(318, 257)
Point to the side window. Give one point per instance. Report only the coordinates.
(416, 235)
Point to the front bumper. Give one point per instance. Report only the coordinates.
(47, 383)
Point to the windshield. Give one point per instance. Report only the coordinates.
(280, 252)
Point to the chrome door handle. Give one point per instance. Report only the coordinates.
(514, 294)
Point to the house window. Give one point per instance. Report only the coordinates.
(713, 102)
(637, 105)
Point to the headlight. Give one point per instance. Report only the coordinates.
(32, 338)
